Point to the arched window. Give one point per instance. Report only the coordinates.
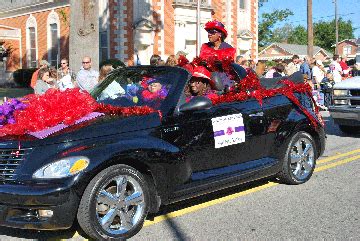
(242, 4)
(53, 38)
(31, 42)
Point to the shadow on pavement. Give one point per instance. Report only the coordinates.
(176, 229)
(333, 129)
(165, 210)
(38, 235)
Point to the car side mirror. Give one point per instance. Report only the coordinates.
(196, 103)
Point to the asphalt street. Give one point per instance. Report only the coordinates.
(326, 207)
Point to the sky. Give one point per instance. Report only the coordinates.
(322, 10)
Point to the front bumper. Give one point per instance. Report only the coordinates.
(349, 116)
(20, 205)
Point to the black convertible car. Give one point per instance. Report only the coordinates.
(110, 172)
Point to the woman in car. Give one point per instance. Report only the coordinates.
(199, 84)
(44, 82)
(114, 89)
(153, 92)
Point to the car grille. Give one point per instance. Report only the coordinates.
(355, 102)
(355, 92)
(10, 159)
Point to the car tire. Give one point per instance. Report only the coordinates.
(298, 162)
(349, 129)
(114, 204)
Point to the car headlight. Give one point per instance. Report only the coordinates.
(341, 102)
(64, 167)
(341, 92)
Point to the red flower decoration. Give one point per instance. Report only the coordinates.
(56, 107)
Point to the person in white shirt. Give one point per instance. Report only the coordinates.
(293, 66)
(335, 68)
(114, 89)
(65, 83)
(318, 73)
(87, 78)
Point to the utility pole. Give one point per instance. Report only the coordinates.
(84, 32)
(336, 28)
(310, 31)
(198, 33)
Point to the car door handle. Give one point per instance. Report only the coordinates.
(258, 114)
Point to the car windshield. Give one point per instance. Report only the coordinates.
(139, 86)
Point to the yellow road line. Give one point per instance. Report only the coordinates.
(338, 163)
(208, 204)
(200, 206)
(252, 190)
(331, 158)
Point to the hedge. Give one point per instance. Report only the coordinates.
(114, 62)
(22, 77)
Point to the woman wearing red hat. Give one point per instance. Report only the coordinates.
(216, 34)
(200, 83)
(216, 47)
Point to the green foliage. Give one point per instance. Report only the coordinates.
(324, 33)
(114, 62)
(22, 77)
(281, 35)
(268, 21)
(270, 63)
(298, 36)
(64, 17)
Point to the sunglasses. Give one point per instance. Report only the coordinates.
(63, 63)
(86, 62)
(213, 31)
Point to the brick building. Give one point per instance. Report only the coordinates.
(130, 30)
(349, 47)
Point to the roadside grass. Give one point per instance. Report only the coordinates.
(14, 92)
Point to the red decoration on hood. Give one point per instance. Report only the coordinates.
(55, 107)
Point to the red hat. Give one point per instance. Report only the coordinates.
(202, 72)
(216, 25)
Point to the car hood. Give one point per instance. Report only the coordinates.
(101, 126)
(350, 83)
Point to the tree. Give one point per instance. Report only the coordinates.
(268, 21)
(298, 36)
(325, 33)
(282, 34)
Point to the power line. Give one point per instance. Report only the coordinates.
(321, 17)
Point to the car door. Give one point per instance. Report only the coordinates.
(194, 133)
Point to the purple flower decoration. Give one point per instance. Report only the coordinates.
(163, 92)
(7, 111)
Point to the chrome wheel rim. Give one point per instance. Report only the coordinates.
(120, 205)
(302, 158)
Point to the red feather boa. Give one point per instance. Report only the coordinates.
(55, 107)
